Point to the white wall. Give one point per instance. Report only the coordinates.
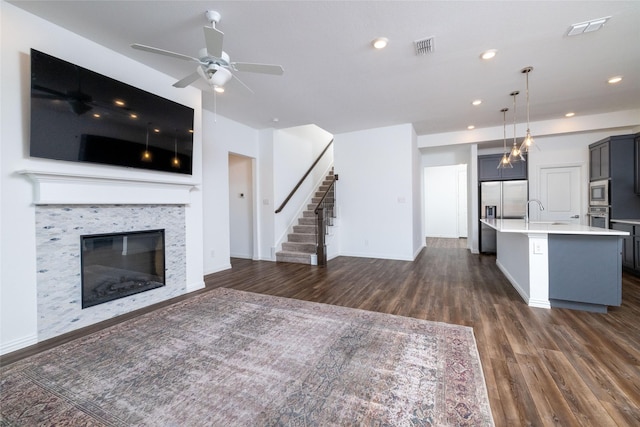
(241, 206)
(21, 31)
(266, 199)
(222, 136)
(416, 196)
(376, 192)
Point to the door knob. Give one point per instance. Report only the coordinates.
(576, 216)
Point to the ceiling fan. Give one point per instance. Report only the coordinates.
(214, 65)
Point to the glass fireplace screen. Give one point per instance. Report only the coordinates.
(121, 264)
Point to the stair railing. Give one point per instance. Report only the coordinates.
(325, 213)
(303, 178)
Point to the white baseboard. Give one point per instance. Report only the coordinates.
(195, 286)
(530, 301)
(221, 268)
(18, 344)
(514, 283)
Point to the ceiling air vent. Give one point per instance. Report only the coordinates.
(424, 46)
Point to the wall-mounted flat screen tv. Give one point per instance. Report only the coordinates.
(81, 116)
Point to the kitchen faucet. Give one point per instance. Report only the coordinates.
(526, 210)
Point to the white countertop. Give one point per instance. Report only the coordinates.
(519, 226)
(626, 221)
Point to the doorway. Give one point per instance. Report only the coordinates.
(445, 201)
(560, 194)
(241, 215)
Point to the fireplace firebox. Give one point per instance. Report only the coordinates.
(121, 264)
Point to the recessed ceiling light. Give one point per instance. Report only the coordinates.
(380, 42)
(488, 54)
(476, 102)
(614, 80)
(96, 115)
(133, 115)
(470, 127)
(119, 102)
(218, 89)
(570, 114)
(156, 130)
(275, 120)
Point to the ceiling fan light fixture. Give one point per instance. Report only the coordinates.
(220, 77)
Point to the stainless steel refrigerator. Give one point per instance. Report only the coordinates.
(510, 200)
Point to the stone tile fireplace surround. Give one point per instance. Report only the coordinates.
(68, 206)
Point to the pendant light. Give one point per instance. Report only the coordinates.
(505, 163)
(528, 139)
(146, 154)
(175, 162)
(516, 154)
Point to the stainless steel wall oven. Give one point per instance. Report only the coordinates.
(599, 193)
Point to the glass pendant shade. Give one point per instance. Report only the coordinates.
(527, 143)
(505, 163)
(516, 154)
(528, 139)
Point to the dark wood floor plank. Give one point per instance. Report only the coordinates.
(577, 394)
(542, 367)
(555, 410)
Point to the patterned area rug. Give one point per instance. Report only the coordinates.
(232, 358)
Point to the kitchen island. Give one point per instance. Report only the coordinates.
(559, 264)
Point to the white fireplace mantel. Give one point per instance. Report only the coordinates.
(80, 189)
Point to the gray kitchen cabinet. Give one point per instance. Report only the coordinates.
(613, 158)
(488, 169)
(628, 258)
(584, 269)
(599, 161)
(636, 168)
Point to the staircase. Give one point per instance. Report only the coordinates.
(301, 246)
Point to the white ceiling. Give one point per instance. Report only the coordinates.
(334, 79)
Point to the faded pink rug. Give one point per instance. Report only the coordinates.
(232, 358)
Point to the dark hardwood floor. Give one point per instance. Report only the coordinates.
(542, 367)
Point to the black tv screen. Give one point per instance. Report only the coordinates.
(81, 116)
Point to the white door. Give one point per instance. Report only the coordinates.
(462, 201)
(560, 194)
(445, 198)
(240, 206)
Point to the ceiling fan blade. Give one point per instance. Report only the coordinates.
(276, 70)
(187, 80)
(213, 38)
(242, 83)
(164, 52)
